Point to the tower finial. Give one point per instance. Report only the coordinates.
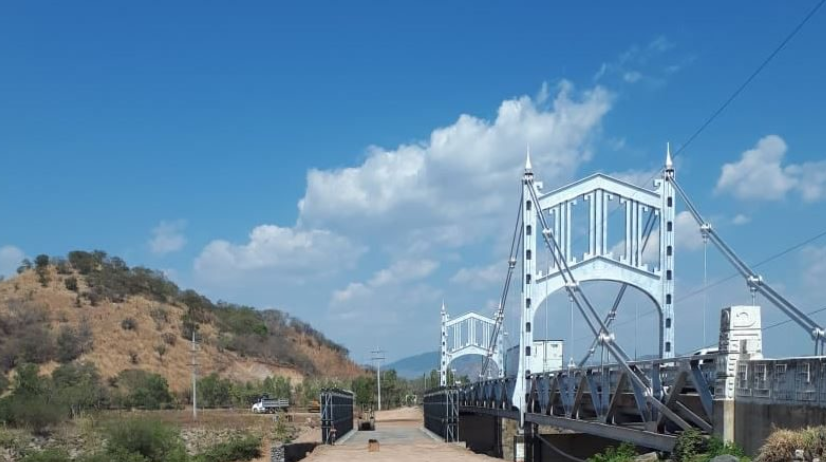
(443, 306)
(528, 166)
(669, 163)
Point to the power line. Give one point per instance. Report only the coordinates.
(769, 327)
(735, 94)
(765, 261)
(751, 77)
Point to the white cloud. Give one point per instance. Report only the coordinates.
(687, 232)
(761, 175)
(464, 172)
(640, 64)
(741, 219)
(480, 277)
(399, 272)
(287, 253)
(10, 258)
(168, 237)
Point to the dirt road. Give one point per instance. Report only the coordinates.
(401, 439)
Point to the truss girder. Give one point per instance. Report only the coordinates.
(601, 400)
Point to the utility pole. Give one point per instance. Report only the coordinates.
(378, 356)
(194, 377)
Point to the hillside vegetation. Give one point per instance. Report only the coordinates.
(93, 308)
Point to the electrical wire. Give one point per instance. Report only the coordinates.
(763, 262)
(711, 118)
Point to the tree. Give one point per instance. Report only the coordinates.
(71, 283)
(79, 387)
(215, 391)
(25, 265)
(41, 263)
(70, 345)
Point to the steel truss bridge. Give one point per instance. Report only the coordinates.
(643, 402)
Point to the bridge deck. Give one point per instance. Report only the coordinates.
(401, 438)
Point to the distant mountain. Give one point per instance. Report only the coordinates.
(415, 366)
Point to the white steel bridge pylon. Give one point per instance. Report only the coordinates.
(469, 334)
(549, 215)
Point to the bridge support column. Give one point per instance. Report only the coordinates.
(533, 447)
(741, 338)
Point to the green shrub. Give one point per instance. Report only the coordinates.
(71, 283)
(34, 413)
(693, 446)
(623, 453)
(49, 455)
(129, 324)
(237, 449)
(141, 389)
(151, 439)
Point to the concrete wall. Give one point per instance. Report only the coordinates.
(772, 393)
(754, 421)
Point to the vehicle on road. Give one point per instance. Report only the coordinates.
(267, 405)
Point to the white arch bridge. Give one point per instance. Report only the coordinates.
(644, 402)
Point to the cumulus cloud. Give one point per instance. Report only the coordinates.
(10, 258)
(288, 253)
(168, 237)
(687, 232)
(761, 175)
(479, 277)
(397, 273)
(461, 173)
(741, 219)
(393, 299)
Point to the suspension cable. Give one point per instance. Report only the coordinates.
(754, 280)
(516, 241)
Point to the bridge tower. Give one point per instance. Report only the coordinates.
(528, 271)
(469, 334)
(667, 257)
(649, 220)
(444, 360)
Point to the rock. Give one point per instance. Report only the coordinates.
(725, 458)
(647, 457)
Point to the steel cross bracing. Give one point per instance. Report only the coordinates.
(754, 280)
(604, 401)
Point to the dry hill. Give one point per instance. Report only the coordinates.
(93, 307)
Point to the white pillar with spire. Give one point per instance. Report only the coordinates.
(667, 251)
(528, 311)
(444, 356)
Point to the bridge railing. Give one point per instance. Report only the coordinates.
(792, 380)
(441, 412)
(336, 414)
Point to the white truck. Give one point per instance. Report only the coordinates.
(267, 405)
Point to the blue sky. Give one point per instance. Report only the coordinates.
(284, 155)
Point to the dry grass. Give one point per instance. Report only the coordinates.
(782, 443)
